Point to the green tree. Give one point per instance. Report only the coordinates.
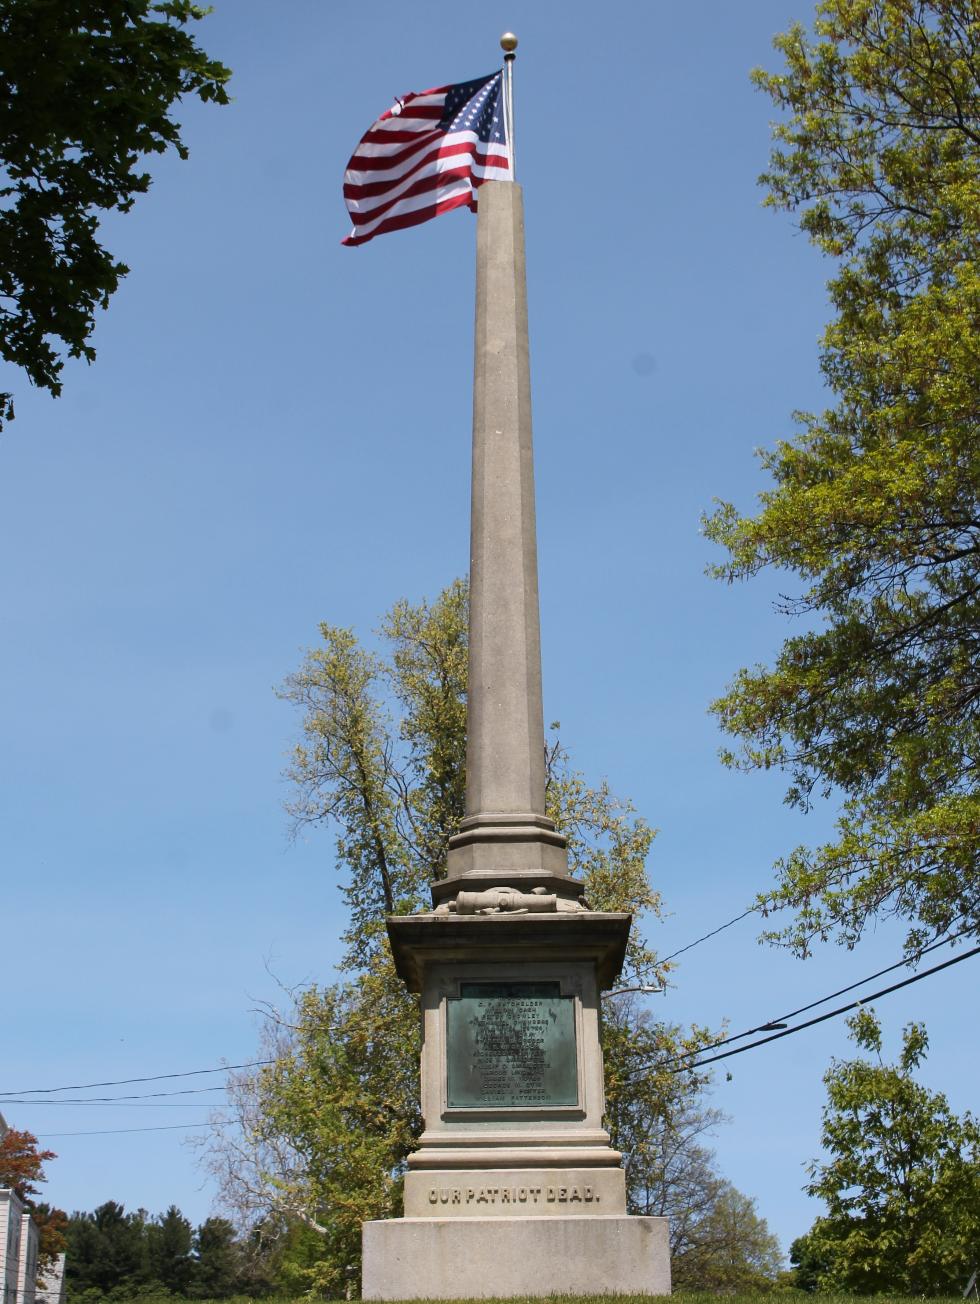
(106, 1249)
(809, 1264)
(325, 1130)
(875, 504)
(88, 88)
(661, 1122)
(733, 1249)
(659, 1119)
(902, 1182)
(169, 1241)
(216, 1259)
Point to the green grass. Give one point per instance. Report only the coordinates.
(687, 1297)
(705, 1297)
(789, 1296)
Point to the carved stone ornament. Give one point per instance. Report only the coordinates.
(509, 900)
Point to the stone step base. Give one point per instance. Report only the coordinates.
(506, 1193)
(500, 1258)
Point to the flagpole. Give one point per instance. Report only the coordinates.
(508, 43)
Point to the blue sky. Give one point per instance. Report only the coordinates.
(276, 432)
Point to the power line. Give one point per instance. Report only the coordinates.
(11, 1097)
(714, 932)
(771, 1025)
(125, 1082)
(111, 1103)
(821, 1018)
(912, 959)
(251, 1064)
(115, 1131)
(92, 1100)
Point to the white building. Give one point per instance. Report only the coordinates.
(11, 1227)
(18, 1254)
(51, 1287)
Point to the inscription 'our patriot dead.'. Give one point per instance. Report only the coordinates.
(513, 1195)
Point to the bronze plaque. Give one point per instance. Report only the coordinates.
(511, 1044)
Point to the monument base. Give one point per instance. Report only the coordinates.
(500, 1258)
(503, 1193)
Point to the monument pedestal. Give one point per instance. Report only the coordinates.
(515, 1188)
(446, 1258)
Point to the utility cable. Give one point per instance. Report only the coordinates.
(116, 1104)
(108, 1100)
(115, 1131)
(714, 932)
(125, 1082)
(773, 1025)
(913, 959)
(820, 1018)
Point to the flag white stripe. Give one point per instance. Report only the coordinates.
(413, 204)
(481, 171)
(455, 140)
(420, 170)
(432, 197)
(406, 113)
(378, 150)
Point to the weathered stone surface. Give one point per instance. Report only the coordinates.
(468, 1258)
(521, 1135)
(506, 829)
(508, 939)
(514, 1192)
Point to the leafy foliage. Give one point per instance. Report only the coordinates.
(21, 1163)
(87, 87)
(393, 793)
(902, 1184)
(660, 1122)
(875, 502)
(733, 1250)
(396, 791)
(117, 1255)
(324, 1130)
(21, 1170)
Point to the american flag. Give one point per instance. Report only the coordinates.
(426, 155)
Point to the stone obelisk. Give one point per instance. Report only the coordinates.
(506, 838)
(514, 1188)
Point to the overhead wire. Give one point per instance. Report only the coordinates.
(770, 1025)
(714, 932)
(680, 1067)
(10, 1094)
(113, 1103)
(115, 1131)
(16, 1096)
(800, 1027)
(109, 1100)
(125, 1082)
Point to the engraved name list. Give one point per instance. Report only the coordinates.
(511, 1045)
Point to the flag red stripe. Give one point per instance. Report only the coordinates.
(388, 139)
(412, 96)
(410, 113)
(434, 181)
(378, 162)
(368, 189)
(407, 168)
(412, 219)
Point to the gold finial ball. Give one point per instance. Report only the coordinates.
(508, 42)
